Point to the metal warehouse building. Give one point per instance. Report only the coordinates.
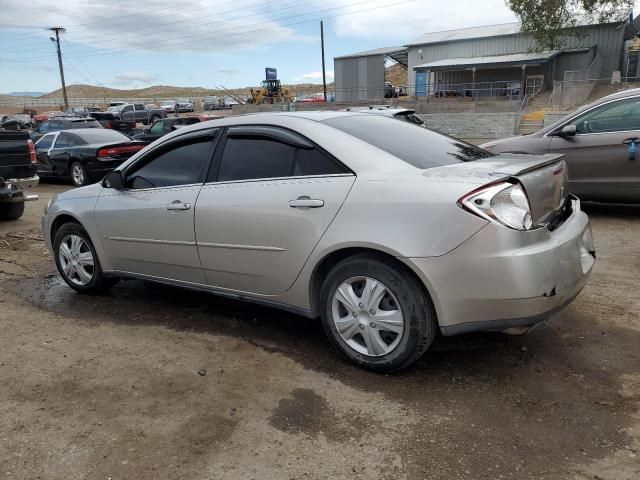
(496, 60)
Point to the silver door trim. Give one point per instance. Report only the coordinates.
(151, 240)
(279, 179)
(263, 248)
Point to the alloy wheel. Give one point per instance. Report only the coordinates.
(367, 316)
(78, 174)
(76, 259)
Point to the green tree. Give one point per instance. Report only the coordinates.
(551, 21)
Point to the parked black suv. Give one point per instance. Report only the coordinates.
(57, 124)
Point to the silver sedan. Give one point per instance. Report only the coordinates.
(386, 231)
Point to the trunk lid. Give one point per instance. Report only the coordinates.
(544, 178)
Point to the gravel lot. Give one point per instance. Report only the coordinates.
(152, 382)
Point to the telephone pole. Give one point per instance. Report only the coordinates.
(324, 78)
(58, 31)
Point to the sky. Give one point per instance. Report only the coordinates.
(205, 43)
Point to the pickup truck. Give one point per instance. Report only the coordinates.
(108, 120)
(17, 173)
(137, 112)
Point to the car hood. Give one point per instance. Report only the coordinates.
(89, 191)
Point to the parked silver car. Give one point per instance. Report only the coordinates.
(600, 144)
(385, 230)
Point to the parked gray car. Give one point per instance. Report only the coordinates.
(599, 142)
(385, 230)
(137, 112)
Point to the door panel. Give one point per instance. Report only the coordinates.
(249, 237)
(151, 231)
(599, 165)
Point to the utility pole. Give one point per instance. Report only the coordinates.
(58, 31)
(324, 78)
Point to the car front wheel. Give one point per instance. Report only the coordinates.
(78, 174)
(76, 259)
(376, 313)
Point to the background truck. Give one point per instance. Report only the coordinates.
(137, 112)
(17, 173)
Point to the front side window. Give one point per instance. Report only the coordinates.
(156, 128)
(44, 127)
(620, 116)
(181, 163)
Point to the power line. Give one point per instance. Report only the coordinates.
(168, 42)
(102, 36)
(171, 14)
(82, 62)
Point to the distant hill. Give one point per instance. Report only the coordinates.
(25, 94)
(164, 91)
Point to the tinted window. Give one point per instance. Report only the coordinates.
(314, 162)
(55, 125)
(62, 141)
(139, 106)
(623, 115)
(156, 128)
(182, 164)
(44, 127)
(421, 147)
(45, 142)
(247, 158)
(128, 108)
(90, 123)
(102, 136)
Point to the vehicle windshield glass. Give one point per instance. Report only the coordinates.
(420, 147)
(104, 135)
(168, 102)
(116, 108)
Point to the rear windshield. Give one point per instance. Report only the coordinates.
(420, 147)
(92, 123)
(104, 135)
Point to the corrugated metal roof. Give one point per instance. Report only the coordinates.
(515, 58)
(375, 51)
(467, 33)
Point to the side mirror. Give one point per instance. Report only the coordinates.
(567, 131)
(113, 180)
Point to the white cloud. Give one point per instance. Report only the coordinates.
(314, 77)
(402, 22)
(130, 78)
(200, 26)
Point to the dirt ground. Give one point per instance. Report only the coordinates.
(152, 382)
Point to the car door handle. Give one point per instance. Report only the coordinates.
(306, 202)
(178, 205)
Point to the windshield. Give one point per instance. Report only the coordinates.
(420, 147)
(168, 102)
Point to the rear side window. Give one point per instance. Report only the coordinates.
(62, 141)
(139, 106)
(420, 147)
(45, 142)
(181, 164)
(249, 158)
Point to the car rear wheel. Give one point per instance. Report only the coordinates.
(11, 210)
(78, 174)
(77, 260)
(376, 314)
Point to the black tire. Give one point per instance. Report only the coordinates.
(79, 181)
(11, 211)
(98, 281)
(419, 317)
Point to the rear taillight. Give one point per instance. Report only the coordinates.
(504, 203)
(111, 151)
(108, 125)
(32, 152)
